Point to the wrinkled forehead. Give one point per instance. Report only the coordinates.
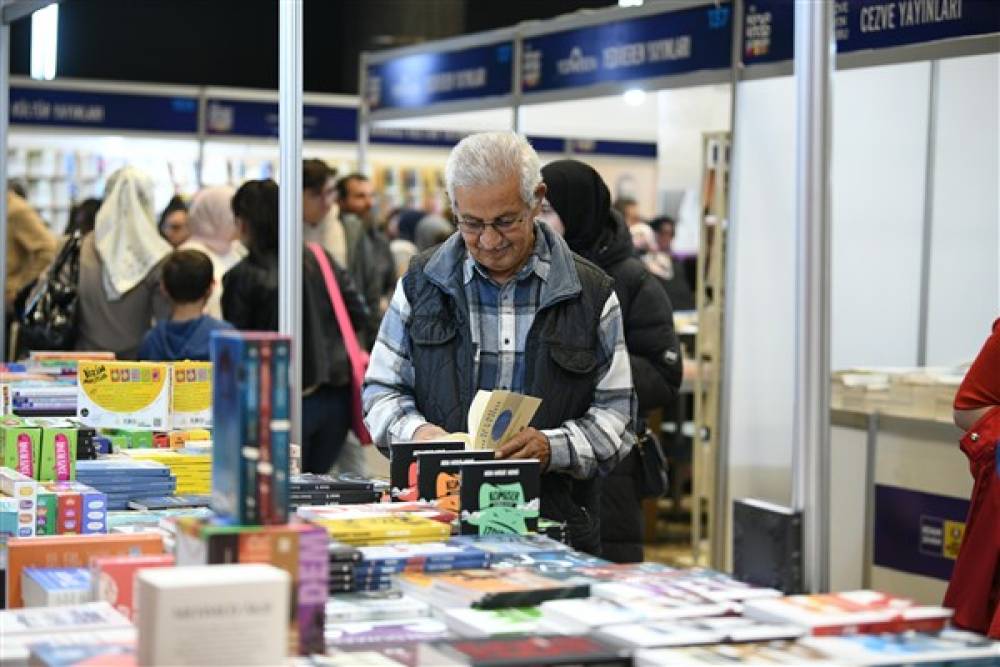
(492, 200)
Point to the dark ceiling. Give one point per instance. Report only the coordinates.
(235, 42)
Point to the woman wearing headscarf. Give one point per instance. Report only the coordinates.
(214, 232)
(119, 284)
(579, 203)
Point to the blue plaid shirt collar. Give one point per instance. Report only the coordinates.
(539, 262)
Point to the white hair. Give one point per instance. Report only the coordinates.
(489, 158)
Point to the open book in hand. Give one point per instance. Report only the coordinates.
(495, 417)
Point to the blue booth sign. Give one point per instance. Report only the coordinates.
(676, 42)
(867, 24)
(423, 79)
(57, 107)
(918, 532)
(260, 119)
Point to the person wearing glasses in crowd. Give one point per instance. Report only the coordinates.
(505, 304)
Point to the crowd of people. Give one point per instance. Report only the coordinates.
(530, 251)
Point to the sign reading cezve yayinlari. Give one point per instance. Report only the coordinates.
(868, 24)
(646, 47)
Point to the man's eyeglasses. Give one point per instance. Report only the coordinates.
(499, 225)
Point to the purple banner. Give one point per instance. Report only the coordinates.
(918, 532)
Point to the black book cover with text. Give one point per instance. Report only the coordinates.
(403, 465)
(500, 497)
(437, 475)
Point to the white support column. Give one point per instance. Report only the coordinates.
(290, 172)
(516, 60)
(815, 52)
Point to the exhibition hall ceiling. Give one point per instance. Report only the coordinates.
(235, 42)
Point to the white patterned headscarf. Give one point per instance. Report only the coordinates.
(125, 233)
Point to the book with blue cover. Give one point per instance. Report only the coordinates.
(251, 399)
(55, 586)
(121, 467)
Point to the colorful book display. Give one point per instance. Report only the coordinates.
(251, 423)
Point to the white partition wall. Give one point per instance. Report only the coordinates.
(965, 255)
(880, 118)
(762, 294)
(880, 158)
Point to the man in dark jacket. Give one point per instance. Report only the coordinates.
(580, 204)
(369, 259)
(504, 304)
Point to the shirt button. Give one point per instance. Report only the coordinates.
(974, 437)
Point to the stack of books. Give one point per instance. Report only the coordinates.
(123, 479)
(850, 612)
(310, 489)
(375, 529)
(43, 399)
(343, 560)
(192, 470)
(488, 589)
(380, 564)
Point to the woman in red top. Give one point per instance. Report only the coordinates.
(974, 590)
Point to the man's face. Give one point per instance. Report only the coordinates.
(175, 228)
(665, 237)
(502, 253)
(632, 215)
(316, 204)
(360, 198)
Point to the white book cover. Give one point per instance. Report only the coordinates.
(213, 615)
(93, 621)
(477, 623)
(657, 635)
(580, 616)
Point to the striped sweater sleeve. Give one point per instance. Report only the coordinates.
(597, 441)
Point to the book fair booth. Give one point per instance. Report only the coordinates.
(833, 169)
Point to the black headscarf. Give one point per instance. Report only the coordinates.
(582, 200)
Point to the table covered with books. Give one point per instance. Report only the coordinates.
(128, 544)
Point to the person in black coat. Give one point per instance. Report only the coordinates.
(579, 206)
(250, 303)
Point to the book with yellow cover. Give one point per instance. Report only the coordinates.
(123, 394)
(385, 529)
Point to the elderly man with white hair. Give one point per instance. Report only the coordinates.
(505, 304)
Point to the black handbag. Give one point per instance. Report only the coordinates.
(49, 318)
(652, 476)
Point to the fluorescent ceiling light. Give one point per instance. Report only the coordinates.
(44, 39)
(634, 97)
(630, 3)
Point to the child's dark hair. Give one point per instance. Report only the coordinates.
(256, 204)
(187, 275)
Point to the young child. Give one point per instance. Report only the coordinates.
(187, 281)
